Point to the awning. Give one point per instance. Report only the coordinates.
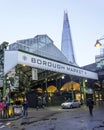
(70, 85)
(51, 89)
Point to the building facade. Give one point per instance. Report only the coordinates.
(66, 43)
(39, 56)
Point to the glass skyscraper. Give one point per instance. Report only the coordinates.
(66, 44)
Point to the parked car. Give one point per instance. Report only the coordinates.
(71, 104)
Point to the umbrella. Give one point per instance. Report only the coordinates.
(39, 90)
(70, 85)
(51, 89)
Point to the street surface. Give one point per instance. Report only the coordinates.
(4, 126)
(55, 118)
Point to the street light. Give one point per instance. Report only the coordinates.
(100, 66)
(98, 44)
(84, 90)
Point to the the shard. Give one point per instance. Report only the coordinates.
(66, 43)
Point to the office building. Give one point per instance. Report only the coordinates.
(66, 44)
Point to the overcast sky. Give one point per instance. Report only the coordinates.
(22, 19)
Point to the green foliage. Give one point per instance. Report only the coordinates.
(4, 45)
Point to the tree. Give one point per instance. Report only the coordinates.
(4, 45)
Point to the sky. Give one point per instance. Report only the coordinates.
(23, 19)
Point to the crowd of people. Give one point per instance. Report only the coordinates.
(7, 109)
(4, 111)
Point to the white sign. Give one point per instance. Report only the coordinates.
(43, 63)
(19, 57)
(34, 74)
(16, 81)
(89, 91)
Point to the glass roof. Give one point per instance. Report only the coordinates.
(41, 45)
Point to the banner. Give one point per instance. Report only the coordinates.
(34, 74)
(12, 58)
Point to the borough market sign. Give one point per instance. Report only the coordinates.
(47, 64)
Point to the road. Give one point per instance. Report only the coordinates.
(60, 119)
(4, 126)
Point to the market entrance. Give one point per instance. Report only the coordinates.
(36, 74)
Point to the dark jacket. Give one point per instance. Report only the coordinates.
(90, 103)
(25, 105)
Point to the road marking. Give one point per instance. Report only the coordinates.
(2, 126)
(8, 123)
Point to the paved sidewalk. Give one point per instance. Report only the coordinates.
(44, 114)
(34, 114)
(40, 114)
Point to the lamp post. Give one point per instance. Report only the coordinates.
(72, 88)
(100, 65)
(98, 43)
(84, 90)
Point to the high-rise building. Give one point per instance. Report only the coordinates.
(66, 43)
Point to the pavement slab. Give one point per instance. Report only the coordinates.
(55, 118)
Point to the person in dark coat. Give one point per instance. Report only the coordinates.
(36, 105)
(90, 104)
(25, 108)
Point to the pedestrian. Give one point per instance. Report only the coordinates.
(90, 104)
(44, 101)
(2, 108)
(36, 103)
(25, 108)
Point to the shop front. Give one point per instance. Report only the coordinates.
(34, 72)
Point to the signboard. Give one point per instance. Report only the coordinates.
(89, 91)
(16, 81)
(34, 74)
(46, 64)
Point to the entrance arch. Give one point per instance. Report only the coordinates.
(42, 64)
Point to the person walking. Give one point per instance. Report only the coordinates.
(36, 102)
(90, 104)
(3, 108)
(25, 108)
